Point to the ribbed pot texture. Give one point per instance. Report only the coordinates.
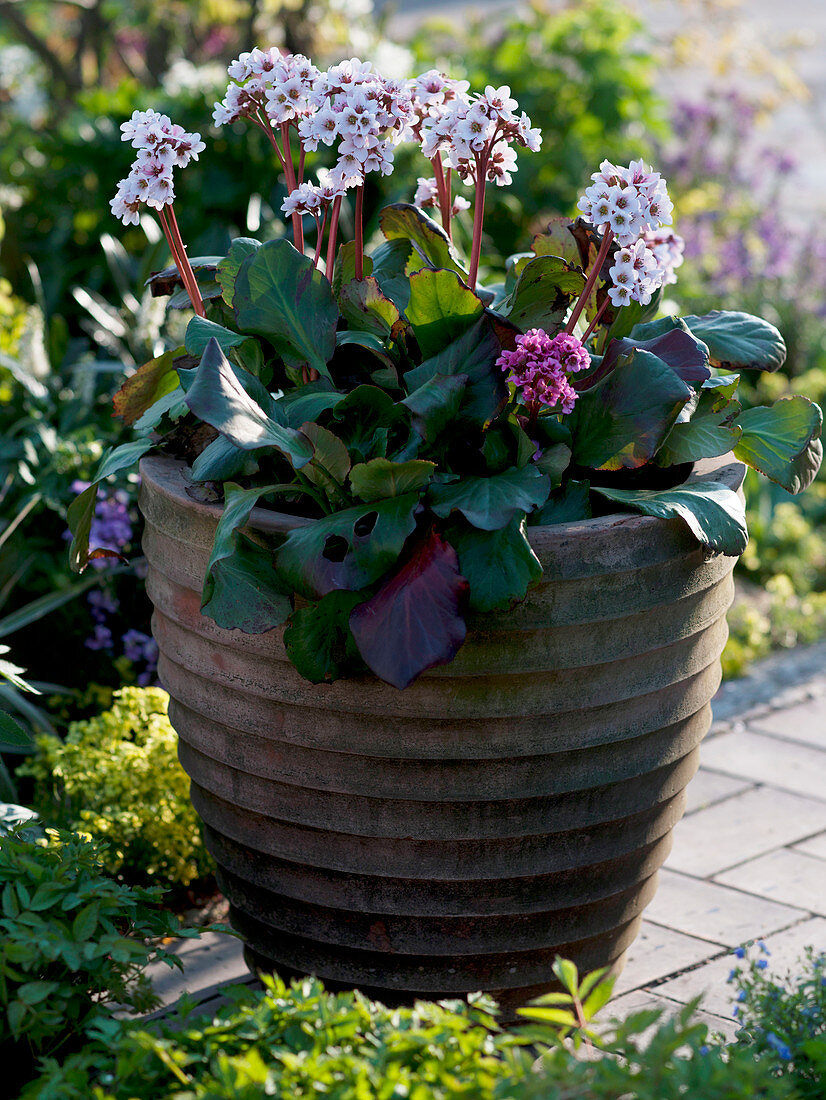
(506, 808)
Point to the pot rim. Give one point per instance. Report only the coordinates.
(167, 476)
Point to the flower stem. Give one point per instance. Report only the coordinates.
(169, 224)
(595, 321)
(298, 228)
(590, 282)
(478, 218)
(331, 239)
(359, 232)
(441, 190)
(322, 225)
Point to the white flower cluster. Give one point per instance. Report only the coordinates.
(479, 131)
(161, 147)
(310, 198)
(267, 85)
(364, 113)
(431, 93)
(630, 201)
(668, 248)
(636, 274)
(427, 194)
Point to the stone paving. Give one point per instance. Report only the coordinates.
(748, 861)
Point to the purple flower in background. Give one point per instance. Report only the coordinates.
(101, 638)
(141, 648)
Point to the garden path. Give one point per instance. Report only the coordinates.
(748, 862)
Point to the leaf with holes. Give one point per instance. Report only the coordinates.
(714, 513)
(281, 296)
(349, 549)
(623, 420)
(217, 397)
(319, 641)
(499, 565)
(782, 441)
(415, 621)
(490, 503)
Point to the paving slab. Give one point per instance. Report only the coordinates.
(213, 959)
(741, 828)
(708, 787)
(709, 980)
(658, 952)
(814, 846)
(644, 1000)
(713, 912)
(766, 759)
(787, 876)
(806, 722)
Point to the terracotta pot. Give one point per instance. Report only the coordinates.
(504, 809)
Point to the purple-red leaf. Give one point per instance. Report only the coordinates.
(415, 619)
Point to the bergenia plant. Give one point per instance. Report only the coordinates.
(423, 423)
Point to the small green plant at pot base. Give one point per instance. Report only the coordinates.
(117, 777)
(300, 1041)
(418, 419)
(72, 943)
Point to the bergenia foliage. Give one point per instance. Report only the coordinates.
(420, 421)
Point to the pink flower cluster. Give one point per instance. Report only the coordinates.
(161, 147)
(631, 200)
(540, 364)
(479, 131)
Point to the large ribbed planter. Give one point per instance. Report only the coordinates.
(504, 809)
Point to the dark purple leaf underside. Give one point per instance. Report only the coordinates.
(415, 620)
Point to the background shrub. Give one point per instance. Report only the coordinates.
(72, 942)
(117, 777)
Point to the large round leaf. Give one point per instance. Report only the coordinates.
(401, 221)
(441, 308)
(492, 502)
(782, 441)
(280, 295)
(499, 565)
(543, 293)
(739, 340)
(714, 513)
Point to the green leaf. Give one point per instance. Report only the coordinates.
(709, 432)
(281, 296)
(782, 441)
(82, 509)
(554, 461)
(566, 505)
(200, 331)
(307, 402)
(344, 271)
(402, 221)
(318, 638)
(221, 460)
(473, 354)
(627, 318)
(33, 993)
(490, 503)
(739, 340)
(435, 404)
(228, 268)
(566, 971)
(543, 293)
(366, 418)
(330, 463)
(349, 549)
(441, 309)
(390, 262)
(365, 309)
(242, 590)
(368, 340)
(714, 513)
(147, 385)
(217, 397)
(498, 565)
(622, 421)
(381, 478)
(12, 734)
(171, 405)
(86, 922)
